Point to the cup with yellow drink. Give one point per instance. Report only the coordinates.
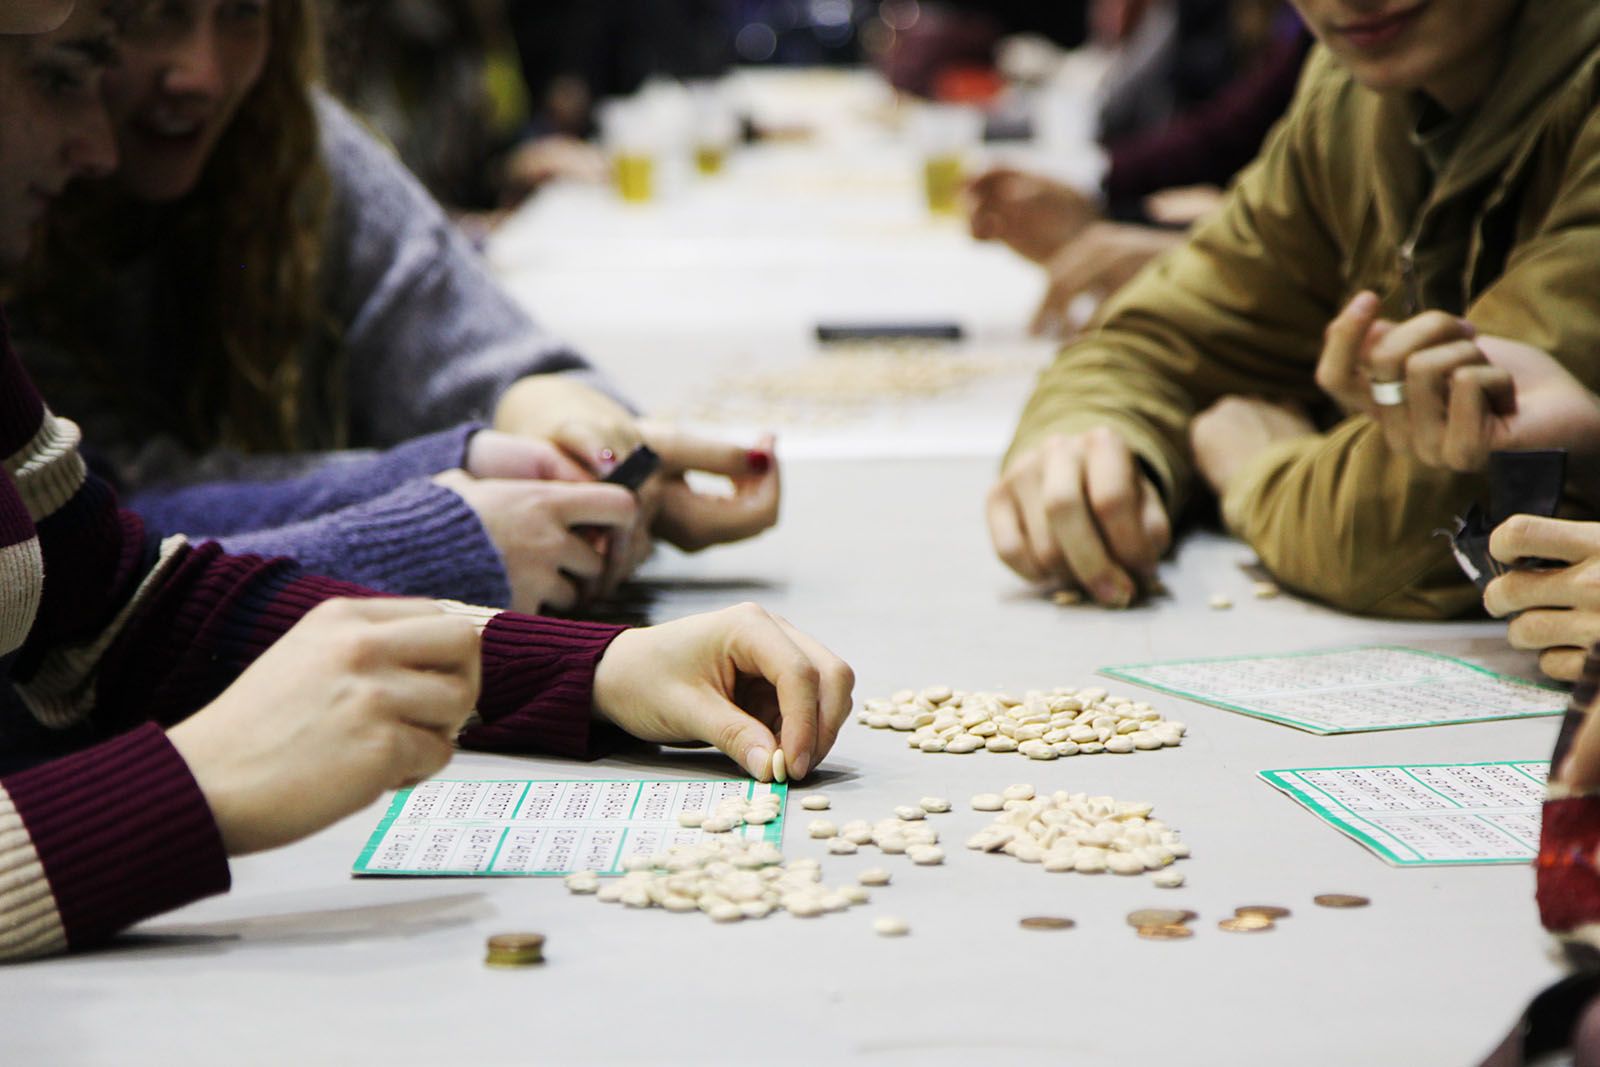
(945, 135)
(625, 132)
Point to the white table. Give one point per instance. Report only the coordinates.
(881, 554)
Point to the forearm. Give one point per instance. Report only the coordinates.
(97, 841)
(249, 499)
(1342, 519)
(421, 539)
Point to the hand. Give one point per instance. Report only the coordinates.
(739, 678)
(1360, 349)
(1077, 510)
(492, 454)
(541, 159)
(1233, 431)
(1560, 608)
(360, 697)
(1183, 205)
(1100, 260)
(591, 427)
(693, 520)
(550, 564)
(1033, 215)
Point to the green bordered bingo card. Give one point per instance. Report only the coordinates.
(489, 828)
(1430, 814)
(1373, 687)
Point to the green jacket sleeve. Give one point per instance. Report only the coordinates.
(1343, 518)
(1215, 316)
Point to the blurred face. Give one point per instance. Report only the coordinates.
(53, 125)
(186, 67)
(1449, 49)
(33, 16)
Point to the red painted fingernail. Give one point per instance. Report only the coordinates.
(758, 461)
(607, 456)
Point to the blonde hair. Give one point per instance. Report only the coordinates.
(245, 316)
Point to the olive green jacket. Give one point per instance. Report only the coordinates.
(1342, 200)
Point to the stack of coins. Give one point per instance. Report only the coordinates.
(1046, 922)
(1253, 919)
(1341, 900)
(1163, 924)
(515, 950)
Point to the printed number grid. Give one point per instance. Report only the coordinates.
(1428, 814)
(1349, 690)
(541, 827)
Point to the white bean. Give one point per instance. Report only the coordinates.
(890, 926)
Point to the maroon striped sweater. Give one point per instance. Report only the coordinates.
(107, 635)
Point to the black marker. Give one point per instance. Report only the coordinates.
(634, 471)
(835, 332)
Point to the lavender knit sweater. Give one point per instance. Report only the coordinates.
(429, 341)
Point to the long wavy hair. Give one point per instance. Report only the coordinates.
(238, 299)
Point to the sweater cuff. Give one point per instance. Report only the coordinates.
(122, 832)
(419, 540)
(432, 453)
(538, 685)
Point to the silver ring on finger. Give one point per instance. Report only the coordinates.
(1389, 394)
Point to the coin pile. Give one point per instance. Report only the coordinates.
(1042, 725)
(515, 950)
(727, 878)
(1076, 832)
(1163, 924)
(1253, 919)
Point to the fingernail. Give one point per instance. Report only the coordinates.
(758, 761)
(1468, 328)
(605, 461)
(1113, 594)
(758, 461)
(799, 765)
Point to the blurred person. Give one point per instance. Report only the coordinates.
(262, 288)
(1096, 244)
(165, 706)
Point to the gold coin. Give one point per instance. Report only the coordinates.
(1247, 924)
(1341, 900)
(1266, 911)
(515, 950)
(1046, 922)
(1159, 917)
(1165, 932)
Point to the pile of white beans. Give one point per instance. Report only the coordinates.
(732, 813)
(1040, 725)
(725, 877)
(1065, 831)
(907, 833)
